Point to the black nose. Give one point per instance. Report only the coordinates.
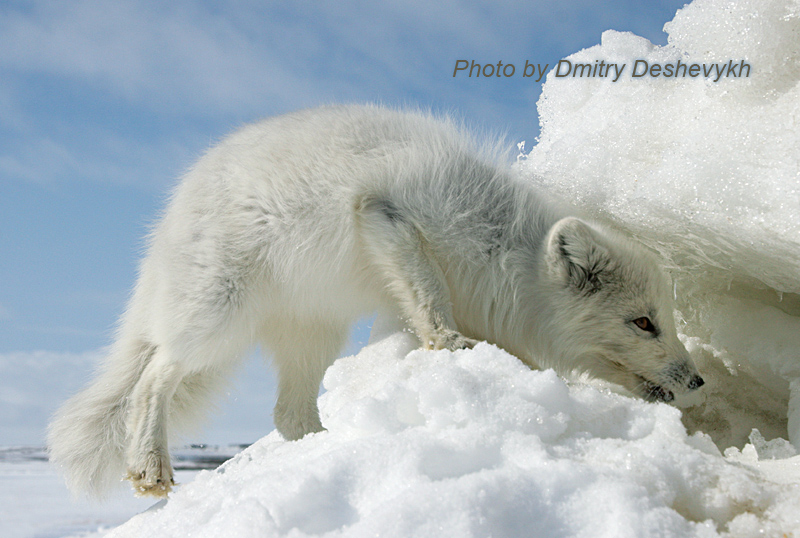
(696, 382)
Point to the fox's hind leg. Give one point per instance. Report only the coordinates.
(303, 350)
(172, 394)
(147, 459)
(411, 273)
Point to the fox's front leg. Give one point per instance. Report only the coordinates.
(436, 329)
(414, 278)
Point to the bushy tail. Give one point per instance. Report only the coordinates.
(87, 436)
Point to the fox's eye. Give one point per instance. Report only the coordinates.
(645, 324)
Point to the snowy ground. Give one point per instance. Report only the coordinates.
(35, 503)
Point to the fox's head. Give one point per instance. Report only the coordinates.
(613, 312)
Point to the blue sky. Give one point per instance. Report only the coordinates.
(104, 103)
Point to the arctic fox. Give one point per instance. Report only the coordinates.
(292, 228)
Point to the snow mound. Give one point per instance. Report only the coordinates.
(473, 443)
(707, 174)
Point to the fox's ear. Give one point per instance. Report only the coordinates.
(576, 255)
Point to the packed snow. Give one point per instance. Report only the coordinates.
(473, 443)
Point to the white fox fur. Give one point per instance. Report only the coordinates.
(292, 228)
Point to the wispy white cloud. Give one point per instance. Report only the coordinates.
(37, 161)
(171, 54)
(113, 158)
(238, 55)
(246, 57)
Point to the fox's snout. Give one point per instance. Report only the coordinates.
(695, 383)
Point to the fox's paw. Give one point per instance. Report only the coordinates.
(453, 340)
(296, 422)
(153, 477)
